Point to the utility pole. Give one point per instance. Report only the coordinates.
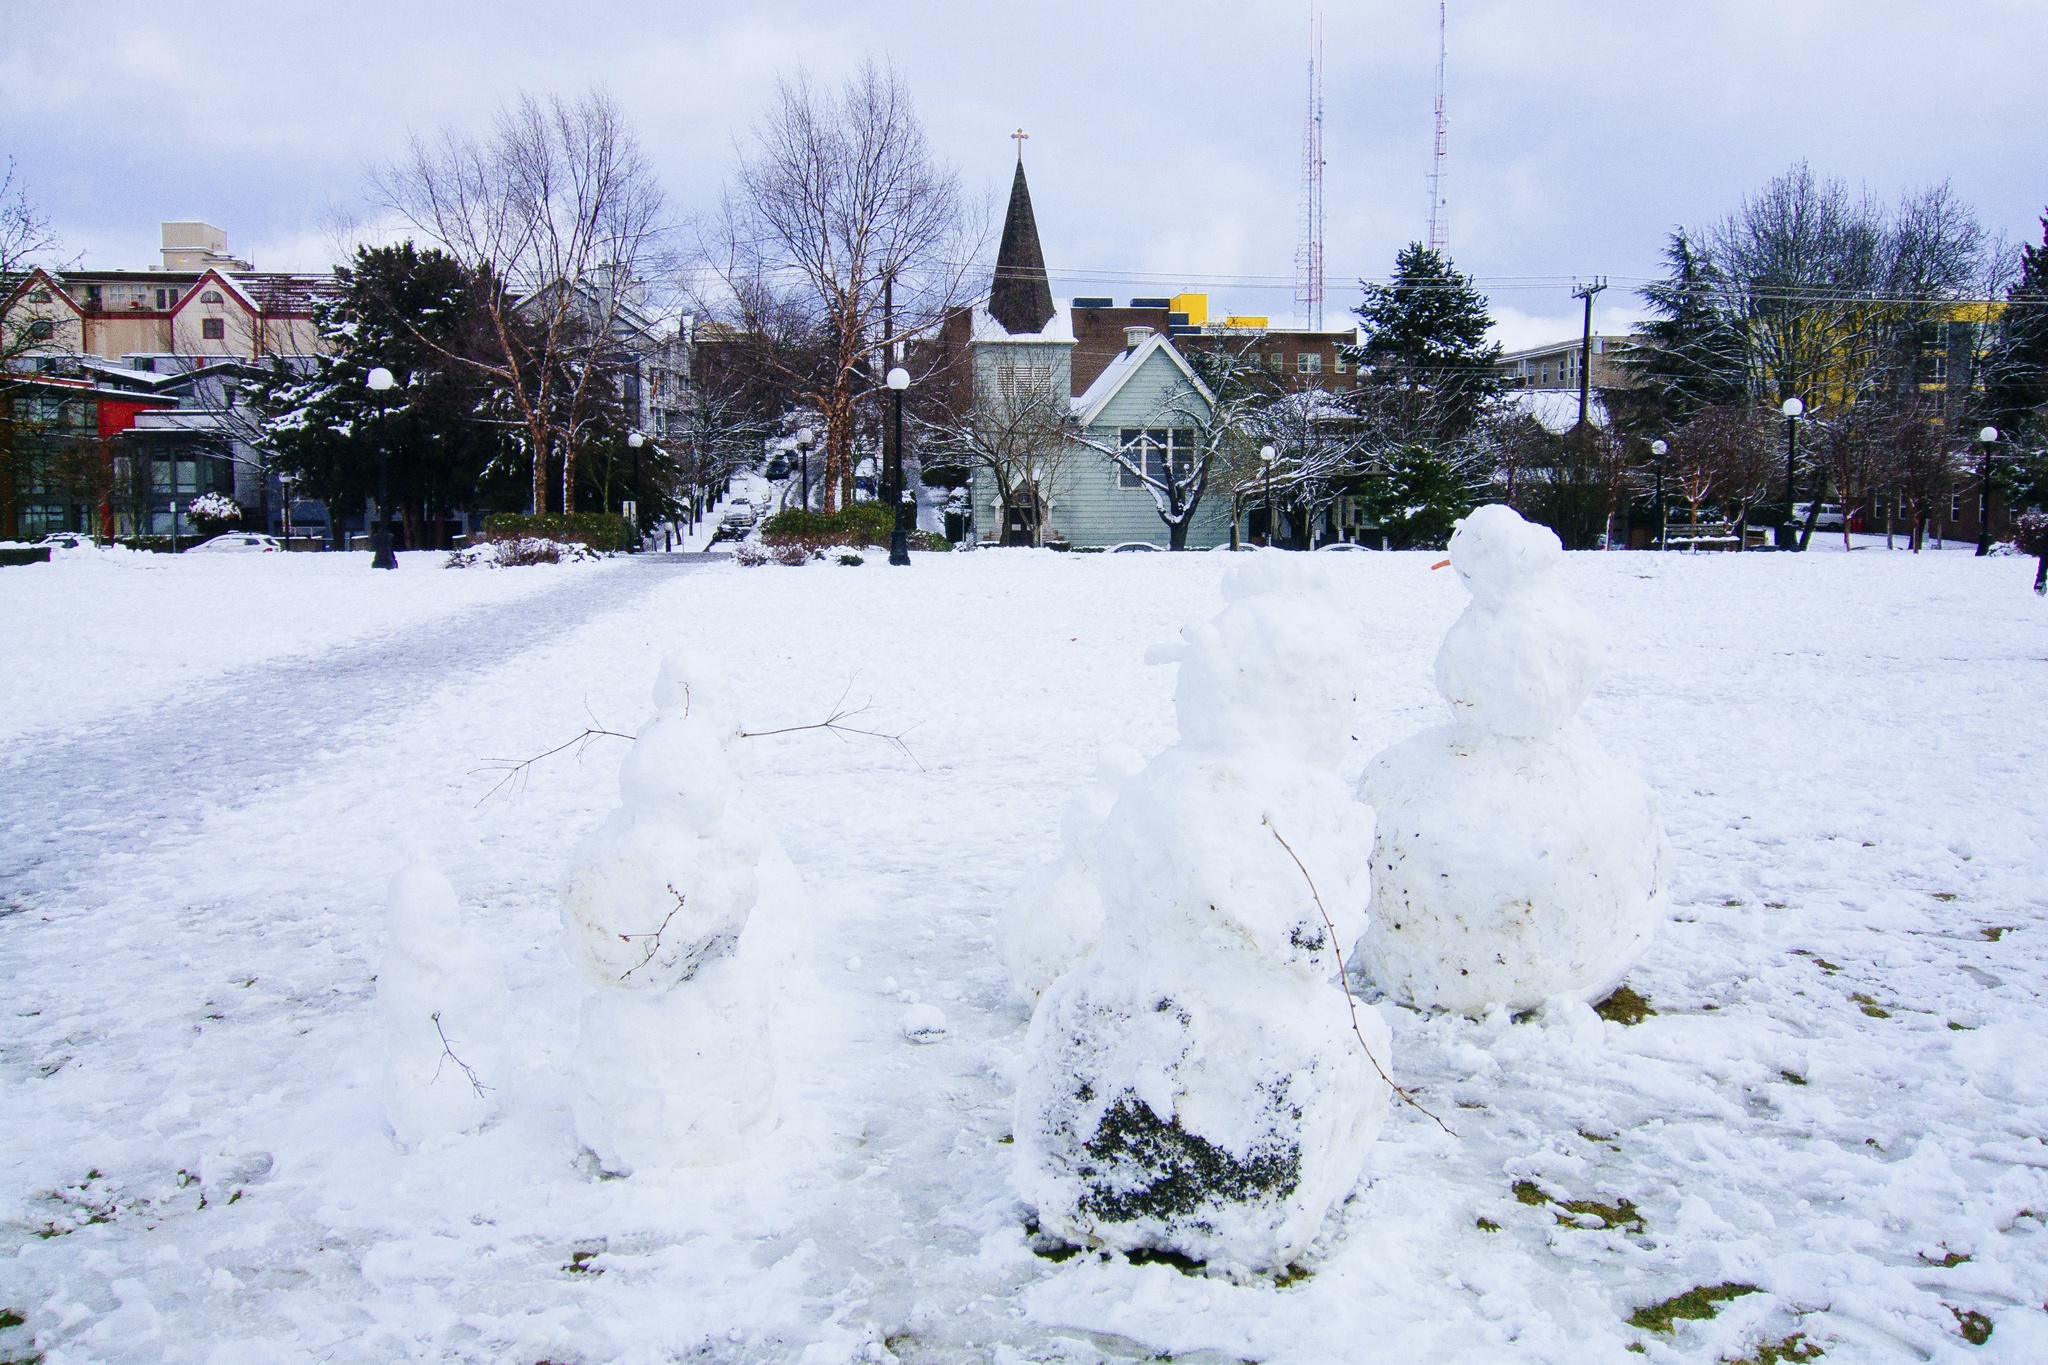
(1439, 211)
(1587, 291)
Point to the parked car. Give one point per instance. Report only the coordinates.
(778, 468)
(740, 513)
(68, 540)
(239, 543)
(1347, 546)
(1830, 518)
(1134, 547)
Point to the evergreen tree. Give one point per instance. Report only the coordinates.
(1690, 355)
(1427, 367)
(1415, 494)
(412, 313)
(2016, 375)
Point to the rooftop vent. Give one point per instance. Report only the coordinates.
(1134, 337)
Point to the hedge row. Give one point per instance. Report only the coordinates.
(598, 530)
(864, 523)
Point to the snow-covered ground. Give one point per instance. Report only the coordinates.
(1839, 1099)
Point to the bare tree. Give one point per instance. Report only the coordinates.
(1925, 469)
(1317, 447)
(559, 210)
(838, 205)
(1021, 435)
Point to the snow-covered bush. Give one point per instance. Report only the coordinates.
(1196, 1084)
(672, 1062)
(212, 513)
(750, 553)
(505, 554)
(792, 555)
(1514, 859)
(441, 995)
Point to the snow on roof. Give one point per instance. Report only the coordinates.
(1555, 410)
(1127, 363)
(1060, 330)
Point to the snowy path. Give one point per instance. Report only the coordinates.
(1839, 1099)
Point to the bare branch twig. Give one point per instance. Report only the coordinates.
(653, 939)
(1349, 999)
(515, 770)
(448, 1055)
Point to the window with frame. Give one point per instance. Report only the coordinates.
(213, 329)
(41, 329)
(1150, 448)
(1342, 361)
(1308, 362)
(1012, 380)
(211, 296)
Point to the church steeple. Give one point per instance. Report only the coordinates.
(1020, 297)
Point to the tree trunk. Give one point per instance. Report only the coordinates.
(2041, 576)
(1813, 511)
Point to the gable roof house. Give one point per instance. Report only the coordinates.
(1130, 431)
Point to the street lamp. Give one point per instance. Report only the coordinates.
(1793, 410)
(1660, 450)
(380, 381)
(1988, 438)
(1266, 454)
(804, 437)
(899, 536)
(631, 506)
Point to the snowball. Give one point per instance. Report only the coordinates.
(442, 1000)
(924, 1023)
(1514, 859)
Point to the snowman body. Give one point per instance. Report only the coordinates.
(441, 998)
(1514, 859)
(673, 1064)
(1197, 1084)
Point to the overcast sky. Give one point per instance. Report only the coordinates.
(1165, 146)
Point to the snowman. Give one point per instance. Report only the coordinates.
(1054, 918)
(673, 1065)
(441, 997)
(1515, 861)
(1200, 1083)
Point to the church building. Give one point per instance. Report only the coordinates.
(1111, 462)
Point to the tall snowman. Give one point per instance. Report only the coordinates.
(673, 1065)
(1515, 860)
(1196, 1084)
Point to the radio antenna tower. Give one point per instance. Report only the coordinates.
(1439, 208)
(1308, 257)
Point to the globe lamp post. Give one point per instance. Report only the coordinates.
(380, 382)
(899, 536)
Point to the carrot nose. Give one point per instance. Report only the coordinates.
(1440, 564)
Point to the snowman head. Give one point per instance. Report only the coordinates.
(1498, 554)
(422, 916)
(1278, 668)
(690, 682)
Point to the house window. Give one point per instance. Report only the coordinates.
(1151, 448)
(1955, 507)
(40, 296)
(92, 296)
(41, 329)
(1012, 380)
(213, 329)
(1308, 362)
(1342, 360)
(211, 296)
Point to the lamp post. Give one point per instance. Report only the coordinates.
(1266, 454)
(631, 506)
(1660, 450)
(380, 381)
(899, 537)
(804, 437)
(1793, 410)
(1987, 438)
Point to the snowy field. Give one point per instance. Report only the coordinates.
(1839, 1098)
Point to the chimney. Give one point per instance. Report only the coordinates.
(1134, 337)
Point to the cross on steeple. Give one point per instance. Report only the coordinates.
(1018, 138)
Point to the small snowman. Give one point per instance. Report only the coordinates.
(1054, 918)
(1515, 861)
(441, 995)
(1197, 1084)
(673, 1063)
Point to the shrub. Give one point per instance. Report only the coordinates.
(851, 560)
(750, 554)
(866, 523)
(598, 530)
(791, 556)
(505, 553)
(2030, 534)
(929, 540)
